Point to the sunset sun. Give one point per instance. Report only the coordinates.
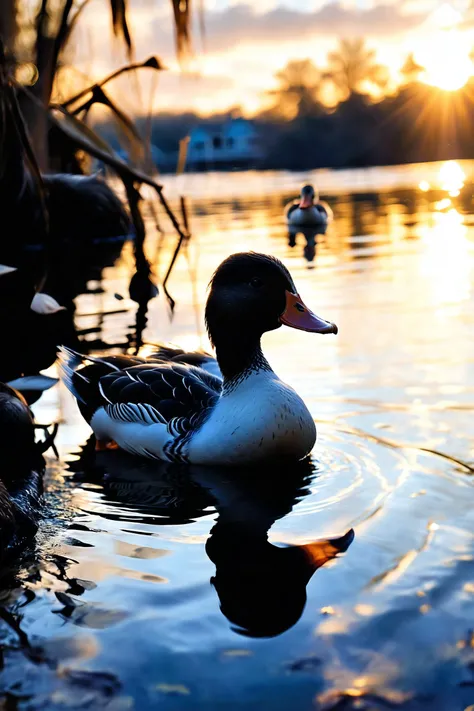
(448, 74)
(445, 55)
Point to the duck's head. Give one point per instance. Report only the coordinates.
(253, 293)
(308, 196)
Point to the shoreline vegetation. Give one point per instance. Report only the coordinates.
(370, 122)
(418, 124)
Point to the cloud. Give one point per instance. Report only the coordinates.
(242, 24)
(244, 46)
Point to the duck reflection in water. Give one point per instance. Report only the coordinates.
(310, 235)
(261, 586)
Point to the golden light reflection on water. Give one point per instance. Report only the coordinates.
(375, 680)
(448, 257)
(450, 177)
(442, 204)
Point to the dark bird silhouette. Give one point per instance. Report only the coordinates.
(22, 468)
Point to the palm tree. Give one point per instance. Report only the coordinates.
(299, 83)
(353, 69)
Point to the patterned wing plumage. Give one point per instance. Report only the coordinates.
(176, 394)
(163, 388)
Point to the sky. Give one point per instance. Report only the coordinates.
(245, 44)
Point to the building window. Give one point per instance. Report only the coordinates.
(217, 142)
(230, 143)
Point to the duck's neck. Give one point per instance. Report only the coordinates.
(239, 356)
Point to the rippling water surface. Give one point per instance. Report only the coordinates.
(156, 586)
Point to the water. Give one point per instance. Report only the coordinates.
(130, 602)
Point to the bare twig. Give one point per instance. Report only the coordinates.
(73, 21)
(182, 16)
(171, 301)
(60, 39)
(184, 214)
(86, 139)
(150, 63)
(119, 22)
(182, 155)
(126, 124)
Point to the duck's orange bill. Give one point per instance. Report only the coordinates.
(297, 315)
(306, 201)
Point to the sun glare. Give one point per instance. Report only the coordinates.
(445, 54)
(449, 75)
(447, 62)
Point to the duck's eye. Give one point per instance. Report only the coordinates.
(256, 282)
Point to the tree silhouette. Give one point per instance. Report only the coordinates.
(299, 83)
(353, 69)
(411, 70)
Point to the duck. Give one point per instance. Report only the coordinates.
(23, 466)
(160, 408)
(308, 212)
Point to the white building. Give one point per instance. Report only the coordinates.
(236, 143)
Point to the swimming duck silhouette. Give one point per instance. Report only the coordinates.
(308, 216)
(308, 211)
